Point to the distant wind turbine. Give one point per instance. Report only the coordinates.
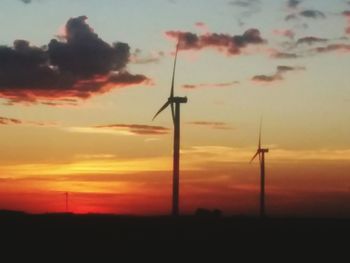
(175, 113)
(261, 153)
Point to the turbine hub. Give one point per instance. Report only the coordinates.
(178, 100)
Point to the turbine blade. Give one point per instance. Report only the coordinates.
(257, 153)
(259, 146)
(161, 109)
(172, 112)
(174, 70)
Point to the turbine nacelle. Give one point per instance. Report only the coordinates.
(263, 150)
(177, 100)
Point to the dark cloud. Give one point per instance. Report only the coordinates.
(210, 85)
(76, 67)
(84, 54)
(137, 129)
(332, 48)
(212, 125)
(231, 45)
(314, 14)
(26, 1)
(293, 3)
(311, 40)
(279, 75)
(284, 55)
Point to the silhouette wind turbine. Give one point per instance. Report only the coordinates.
(261, 153)
(175, 113)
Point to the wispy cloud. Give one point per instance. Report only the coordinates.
(139, 58)
(218, 154)
(310, 40)
(343, 48)
(137, 129)
(211, 125)
(283, 55)
(210, 85)
(279, 75)
(13, 121)
(247, 8)
(293, 4)
(121, 129)
(309, 14)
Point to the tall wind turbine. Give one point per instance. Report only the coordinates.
(261, 153)
(175, 113)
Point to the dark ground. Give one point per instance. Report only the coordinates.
(85, 228)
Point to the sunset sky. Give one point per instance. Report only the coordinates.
(80, 81)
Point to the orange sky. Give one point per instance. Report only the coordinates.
(78, 93)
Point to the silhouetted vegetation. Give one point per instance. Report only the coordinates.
(206, 225)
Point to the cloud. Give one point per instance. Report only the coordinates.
(293, 4)
(137, 129)
(208, 85)
(9, 121)
(247, 8)
(334, 47)
(313, 14)
(26, 1)
(13, 121)
(121, 129)
(230, 45)
(138, 58)
(223, 154)
(245, 3)
(284, 55)
(212, 125)
(78, 66)
(279, 75)
(310, 40)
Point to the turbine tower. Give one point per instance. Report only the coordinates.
(261, 153)
(175, 113)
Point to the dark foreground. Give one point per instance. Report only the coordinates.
(96, 228)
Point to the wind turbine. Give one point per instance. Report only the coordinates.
(175, 113)
(261, 153)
